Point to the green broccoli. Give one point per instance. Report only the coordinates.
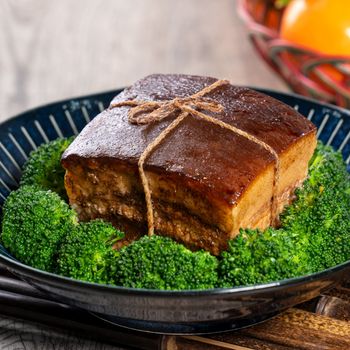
(314, 233)
(43, 167)
(259, 257)
(157, 262)
(322, 210)
(87, 252)
(34, 223)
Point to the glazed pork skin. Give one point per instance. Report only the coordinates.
(206, 182)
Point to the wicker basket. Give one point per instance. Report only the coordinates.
(306, 72)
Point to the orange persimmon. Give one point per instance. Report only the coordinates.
(319, 25)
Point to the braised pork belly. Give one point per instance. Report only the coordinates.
(206, 182)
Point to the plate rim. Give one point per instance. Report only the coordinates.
(55, 279)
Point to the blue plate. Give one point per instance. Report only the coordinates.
(172, 312)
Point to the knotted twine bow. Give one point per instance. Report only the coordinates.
(146, 112)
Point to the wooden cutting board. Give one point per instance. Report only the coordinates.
(323, 323)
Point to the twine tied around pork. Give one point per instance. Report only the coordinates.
(146, 112)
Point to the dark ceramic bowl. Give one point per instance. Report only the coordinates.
(174, 312)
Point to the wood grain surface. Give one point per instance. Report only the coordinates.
(16, 334)
(320, 324)
(51, 50)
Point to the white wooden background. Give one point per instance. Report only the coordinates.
(51, 50)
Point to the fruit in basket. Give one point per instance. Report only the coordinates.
(322, 26)
(319, 25)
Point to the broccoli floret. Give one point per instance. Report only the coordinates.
(322, 210)
(259, 257)
(34, 223)
(43, 167)
(314, 233)
(157, 262)
(87, 252)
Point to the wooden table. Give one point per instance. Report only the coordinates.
(50, 50)
(323, 323)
